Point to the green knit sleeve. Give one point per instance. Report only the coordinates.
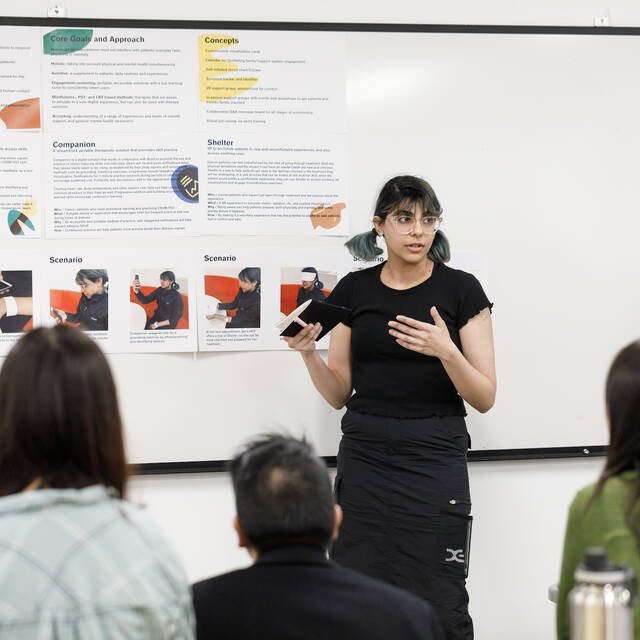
(571, 558)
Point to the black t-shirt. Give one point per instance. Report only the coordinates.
(388, 379)
(170, 306)
(247, 315)
(92, 313)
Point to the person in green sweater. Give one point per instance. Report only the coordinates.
(607, 513)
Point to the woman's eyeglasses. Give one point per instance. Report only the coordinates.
(407, 223)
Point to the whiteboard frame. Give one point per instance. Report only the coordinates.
(484, 455)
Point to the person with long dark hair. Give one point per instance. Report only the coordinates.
(78, 560)
(311, 288)
(169, 304)
(247, 302)
(418, 344)
(607, 513)
(92, 312)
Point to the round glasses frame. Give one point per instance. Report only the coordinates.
(406, 224)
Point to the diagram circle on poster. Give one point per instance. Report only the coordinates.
(185, 183)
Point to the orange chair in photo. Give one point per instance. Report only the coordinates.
(65, 300)
(223, 288)
(289, 297)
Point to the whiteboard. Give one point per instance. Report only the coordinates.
(529, 141)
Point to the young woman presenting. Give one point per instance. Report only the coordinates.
(417, 343)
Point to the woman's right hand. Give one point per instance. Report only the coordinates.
(305, 340)
(61, 317)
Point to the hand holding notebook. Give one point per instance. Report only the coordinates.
(311, 312)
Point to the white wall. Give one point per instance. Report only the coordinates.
(519, 517)
(519, 507)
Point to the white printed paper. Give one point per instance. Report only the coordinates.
(112, 79)
(19, 78)
(20, 185)
(162, 302)
(136, 184)
(266, 184)
(272, 81)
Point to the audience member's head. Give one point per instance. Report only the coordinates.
(60, 425)
(622, 397)
(283, 495)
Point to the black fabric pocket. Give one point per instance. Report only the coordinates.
(454, 541)
(336, 487)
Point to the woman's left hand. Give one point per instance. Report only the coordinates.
(422, 337)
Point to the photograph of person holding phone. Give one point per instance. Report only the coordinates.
(16, 301)
(170, 305)
(92, 312)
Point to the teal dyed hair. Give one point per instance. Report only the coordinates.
(364, 245)
(398, 191)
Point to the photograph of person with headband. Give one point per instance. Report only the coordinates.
(170, 305)
(311, 288)
(16, 302)
(92, 312)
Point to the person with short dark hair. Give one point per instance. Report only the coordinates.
(169, 304)
(92, 312)
(607, 514)
(78, 561)
(287, 518)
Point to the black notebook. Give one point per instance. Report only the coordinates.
(310, 312)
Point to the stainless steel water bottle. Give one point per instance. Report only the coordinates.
(601, 603)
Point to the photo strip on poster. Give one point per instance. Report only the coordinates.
(245, 292)
(162, 302)
(220, 299)
(78, 288)
(19, 287)
(129, 302)
(231, 306)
